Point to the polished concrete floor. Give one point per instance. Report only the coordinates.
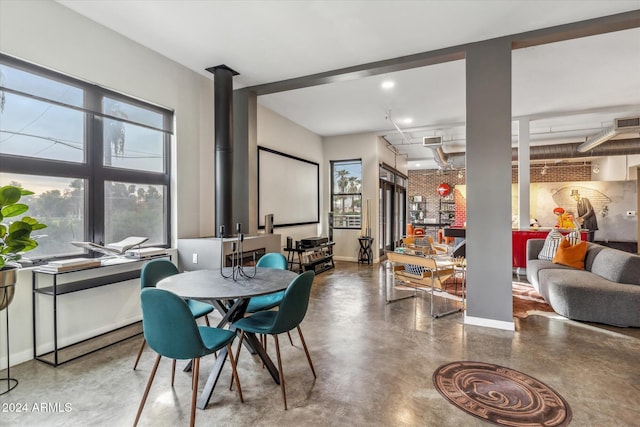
(374, 363)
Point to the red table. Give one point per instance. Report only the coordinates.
(519, 242)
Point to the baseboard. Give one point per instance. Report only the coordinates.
(352, 259)
(46, 346)
(345, 258)
(16, 358)
(489, 323)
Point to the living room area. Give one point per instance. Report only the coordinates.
(118, 138)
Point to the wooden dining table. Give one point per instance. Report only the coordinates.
(230, 296)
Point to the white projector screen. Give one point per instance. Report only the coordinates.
(288, 188)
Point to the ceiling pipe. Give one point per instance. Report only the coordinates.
(594, 140)
(440, 157)
(620, 147)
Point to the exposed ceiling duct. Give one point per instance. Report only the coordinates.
(435, 144)
(594, 140)
(622, 147)
(623, 125)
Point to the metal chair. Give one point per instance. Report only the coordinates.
(171, 331)
(290, 314)
(156, 270)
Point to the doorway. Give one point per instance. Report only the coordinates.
(392, 209)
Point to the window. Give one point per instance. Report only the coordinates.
(97, 161)
(346, 193)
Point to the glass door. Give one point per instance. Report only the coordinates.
(392, 214)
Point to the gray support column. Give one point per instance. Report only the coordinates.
(524, 174)
(488, 108)
(223, 118)
(244, 135)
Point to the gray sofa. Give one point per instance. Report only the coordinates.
(606, 291)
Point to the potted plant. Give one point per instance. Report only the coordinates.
(15, 238)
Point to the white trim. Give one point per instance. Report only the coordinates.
(489, 323)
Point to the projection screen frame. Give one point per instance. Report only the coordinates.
(316, 220)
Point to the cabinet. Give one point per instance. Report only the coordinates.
(447, 210)
(47, 287)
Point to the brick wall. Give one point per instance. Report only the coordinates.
(424, 182)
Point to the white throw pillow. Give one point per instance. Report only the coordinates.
(551, 244)
(574, 237)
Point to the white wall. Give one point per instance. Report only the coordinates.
(281, 134)
(616, 168)
(345, 147)
(50, 35)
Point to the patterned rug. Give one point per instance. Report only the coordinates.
(501, 395)
(526, 300)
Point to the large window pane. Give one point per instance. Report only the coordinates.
(42, 87)
(347, 177)
(47, 118)
(346, 211)
(129, 146)
(143, 116)
(32, 128)
(346, 192)
(60, 204)
(134, 210)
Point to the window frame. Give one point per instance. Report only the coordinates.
(333, 164)
(92, 169)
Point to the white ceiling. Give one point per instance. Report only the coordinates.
(571, 88)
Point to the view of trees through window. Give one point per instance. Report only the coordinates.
(57, 202)
(346, 193)
(97, 161)
(133, 210)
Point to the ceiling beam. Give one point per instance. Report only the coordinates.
(576, 30)
(590, 27)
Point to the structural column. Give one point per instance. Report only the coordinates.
(524, 173)
(223, 114)
(488, 159)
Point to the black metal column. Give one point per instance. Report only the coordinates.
(223, 115)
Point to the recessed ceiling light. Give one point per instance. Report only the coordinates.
(417, 165)
(388, 84)
(407, 120)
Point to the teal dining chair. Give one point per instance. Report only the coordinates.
(289, 315)
(269, 301)
(156, 270)
(171, 331)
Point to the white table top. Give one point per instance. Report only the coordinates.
(210, 285)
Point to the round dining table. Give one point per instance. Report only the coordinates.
(229, 292)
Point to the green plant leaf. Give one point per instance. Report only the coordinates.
(15, 238)
(19, 228)
(14, 210)
(9, 195)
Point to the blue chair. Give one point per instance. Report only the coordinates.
(290, 313)
(171, 331)
(156, 270)
(269, 301)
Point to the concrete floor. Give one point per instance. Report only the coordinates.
(374, 363)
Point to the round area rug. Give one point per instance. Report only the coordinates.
(501, 395)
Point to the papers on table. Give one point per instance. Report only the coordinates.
(116, 248)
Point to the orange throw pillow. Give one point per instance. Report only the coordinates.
(572, 256)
